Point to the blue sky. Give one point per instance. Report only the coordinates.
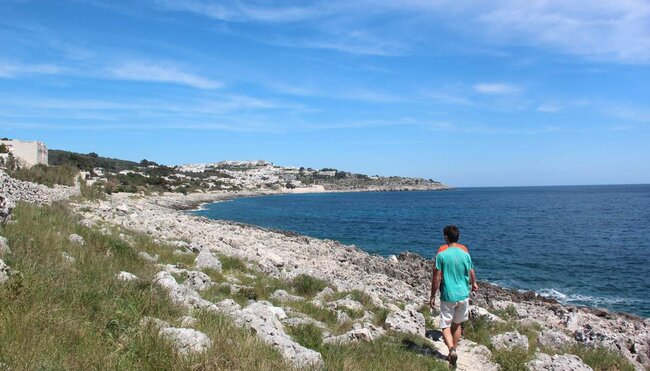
(473, 94)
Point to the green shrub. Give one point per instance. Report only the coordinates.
(512, 360)
(601, 359)
(307, 335)
(230, 263)
(307, 285)
(47, 175)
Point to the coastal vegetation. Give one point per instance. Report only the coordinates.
(63, 307)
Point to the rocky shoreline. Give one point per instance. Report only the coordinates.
(400, 284)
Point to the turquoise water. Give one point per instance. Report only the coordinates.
(584, 245)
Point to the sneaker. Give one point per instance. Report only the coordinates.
(453, 357)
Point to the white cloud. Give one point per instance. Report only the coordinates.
(143, 71)
(11, 70)
(549, 107)
(495, 88)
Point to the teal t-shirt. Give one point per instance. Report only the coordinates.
(455, 265)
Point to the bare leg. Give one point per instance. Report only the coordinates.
(456, 331)
(448, 337)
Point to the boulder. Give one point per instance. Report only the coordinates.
(205, 260)
(408, 321)
(197, 280)
(553, 340)
(126, 276)
(565, 362)
(76, 239)
(393, 259)
(4, 246)
(187, 341)
(509, 341)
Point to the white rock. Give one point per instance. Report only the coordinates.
(187, 341)
(205, 260)
(188, 321)
(346, 303)
(126, 276)
(478, 312)
(554, 340)
(408, 321)
(197, 280)
(283, 296)
(565, 362)
(350, 336)
(393, 259)
(4, 246)
(76, 239)
(165, 280)
(509, 341)
(324, 294)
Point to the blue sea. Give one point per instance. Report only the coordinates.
(583, 245)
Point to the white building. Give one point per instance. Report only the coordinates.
(27, 153)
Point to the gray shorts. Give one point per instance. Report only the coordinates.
(453, 311)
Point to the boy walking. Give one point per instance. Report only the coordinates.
(454, 275)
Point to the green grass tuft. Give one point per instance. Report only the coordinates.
(307, 285)
(307, 335)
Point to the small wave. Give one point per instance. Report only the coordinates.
(583, 299)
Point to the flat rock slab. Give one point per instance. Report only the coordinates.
(565, 362)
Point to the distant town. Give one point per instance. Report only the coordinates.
(115, 175)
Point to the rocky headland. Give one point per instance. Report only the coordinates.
(396, 287)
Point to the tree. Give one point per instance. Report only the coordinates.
(3, 148)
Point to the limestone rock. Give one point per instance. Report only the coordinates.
(76, 239)
(126, 276)
(408, 321)
(197, 280)
(346, 303)
(188, 321)
(393, 259)
(478, 312)
(263, 321)
(205, 260)
(187, 341)
(565, 362)
(324, 294)
(165, 280)
(283, 296)
(350, 336)
(4, 246)
(553, 340)
(509, 341)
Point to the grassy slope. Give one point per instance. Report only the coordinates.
(59, 315)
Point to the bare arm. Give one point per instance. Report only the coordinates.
(435, 285)
(472, 280)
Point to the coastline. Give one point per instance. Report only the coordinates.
(401, 282)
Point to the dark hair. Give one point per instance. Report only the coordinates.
(452, 232)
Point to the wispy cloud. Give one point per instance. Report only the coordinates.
(549, 107)
(496, 88)
(11, 70)
(164, 73)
